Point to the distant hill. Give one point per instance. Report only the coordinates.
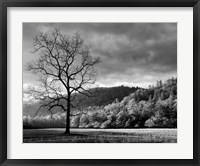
(102, 96)
(155, 107)
(105, 96)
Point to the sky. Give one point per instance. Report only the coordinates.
(132, 54)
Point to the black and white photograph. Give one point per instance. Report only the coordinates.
(102, 82)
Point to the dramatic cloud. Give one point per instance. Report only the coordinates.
(133, 54)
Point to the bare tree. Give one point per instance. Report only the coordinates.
(65, 67)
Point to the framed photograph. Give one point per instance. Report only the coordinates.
(99, 82)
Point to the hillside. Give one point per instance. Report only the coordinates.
(155, 107)
(102, 97)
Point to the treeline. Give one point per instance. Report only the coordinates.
(155, 107)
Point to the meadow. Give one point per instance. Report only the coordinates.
(55, 135)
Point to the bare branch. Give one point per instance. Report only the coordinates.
(65, 68)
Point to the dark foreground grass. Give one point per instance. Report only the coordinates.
(100, 136)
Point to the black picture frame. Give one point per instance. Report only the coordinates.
(100, 3)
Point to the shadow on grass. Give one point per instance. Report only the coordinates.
(53, 136)
(72, 134)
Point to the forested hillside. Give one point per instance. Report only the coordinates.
(155, 107)
(101, 97)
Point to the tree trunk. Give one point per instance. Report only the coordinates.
(67, 131)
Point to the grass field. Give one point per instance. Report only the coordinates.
(100, 136)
